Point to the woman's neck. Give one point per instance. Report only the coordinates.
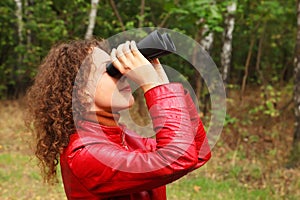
(103, 117)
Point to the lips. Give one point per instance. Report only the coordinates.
(127, 88)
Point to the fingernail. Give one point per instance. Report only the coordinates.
(133, 45)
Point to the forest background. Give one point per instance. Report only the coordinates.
(254, 43)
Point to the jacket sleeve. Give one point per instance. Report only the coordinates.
(202, 145)
(107, 169)
(203, 148)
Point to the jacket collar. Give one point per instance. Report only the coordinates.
(93, 133)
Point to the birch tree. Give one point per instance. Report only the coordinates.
(295, 158)
(227, 40)
(204, 37)
(20, 21)
(92, 19)
(207, 38)
(17, 79)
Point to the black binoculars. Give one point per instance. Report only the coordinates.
(153, 46)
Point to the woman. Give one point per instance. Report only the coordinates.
(74, 107)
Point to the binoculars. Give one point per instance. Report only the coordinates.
(155, 45)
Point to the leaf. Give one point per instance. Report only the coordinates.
(179, 11)
(197, 188)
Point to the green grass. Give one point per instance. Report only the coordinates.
(20, 179)
(205, 188)
(232, 173)
(19, 175)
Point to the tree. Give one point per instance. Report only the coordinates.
(200, 19)
(227, 40)
(17, 67)
(45, 22)
(295, 158)
(92, 19)
(263, 54)
(20, 20)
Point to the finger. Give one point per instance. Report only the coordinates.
(113, 55)
(125, 62)
(120, 51)
(127, 51)
(116, 63)
(126, 48)
(160, 71)
(121, 56)
(137, 54)
(155, 62)
(134, 48)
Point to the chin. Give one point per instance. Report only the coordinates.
(131, 102)
(125, 106)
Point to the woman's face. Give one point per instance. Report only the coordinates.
(111, 94)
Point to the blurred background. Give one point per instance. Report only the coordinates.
(254, 43)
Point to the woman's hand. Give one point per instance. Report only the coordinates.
(160, 71)
(131, 63)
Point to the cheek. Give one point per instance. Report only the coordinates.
(104, 92)
(121, 101)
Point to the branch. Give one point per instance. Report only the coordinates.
(286, 105)
(114, 7)
(162, 24)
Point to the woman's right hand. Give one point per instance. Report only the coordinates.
(131, 63)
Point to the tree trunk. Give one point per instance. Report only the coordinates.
(227, 41)
(196, 76)
(141, 19)
(20, 20)
(247, 68)
(17, 87)
(205, 37)
(207, 42)
(294, 157)
(253, 39)
(28, 14)
(257, 67)
(259, 54)
(92, 19)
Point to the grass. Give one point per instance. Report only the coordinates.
(20, 179)
(250, 169)
(19, 174)
(205, 188)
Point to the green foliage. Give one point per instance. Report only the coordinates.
(275, 23)
(46, 22)
(270, 97)
(229, 120)
(194, 14)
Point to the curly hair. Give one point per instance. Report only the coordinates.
(50, 115)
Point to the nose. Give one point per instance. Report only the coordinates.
(123, 79)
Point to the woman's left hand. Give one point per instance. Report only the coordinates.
(160, 71)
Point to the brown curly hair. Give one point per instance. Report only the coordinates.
(50, 114)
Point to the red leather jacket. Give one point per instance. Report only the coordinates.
(103, 162)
